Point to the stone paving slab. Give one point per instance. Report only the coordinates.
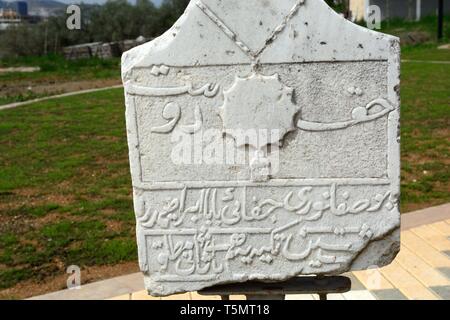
(445, 271)
(426, 216)
(411, 287)
(389, 294)
(433, 237)
(442, 227)
(421, 270)
(424, 250)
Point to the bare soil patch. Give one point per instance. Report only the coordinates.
(52, 87)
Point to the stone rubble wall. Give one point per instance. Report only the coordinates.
(100, 49)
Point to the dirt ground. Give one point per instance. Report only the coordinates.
(47, 87)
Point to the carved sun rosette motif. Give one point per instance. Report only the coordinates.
(258, 103)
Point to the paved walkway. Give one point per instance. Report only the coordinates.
(421, 270)
(20, 69)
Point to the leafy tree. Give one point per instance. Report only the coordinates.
(170, 11)
(341, 6)
(23, 41)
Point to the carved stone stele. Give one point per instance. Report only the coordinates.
(264, 144)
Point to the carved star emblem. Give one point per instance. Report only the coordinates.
(258, 106)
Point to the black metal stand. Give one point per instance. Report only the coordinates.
(440, 19)
(255, 290)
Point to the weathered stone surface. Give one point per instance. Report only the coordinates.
(264, 144)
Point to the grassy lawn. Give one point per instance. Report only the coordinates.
(65, 195)
(426, 26)
(65, 189)
(56, 75)
(427, 52)
(425, 129)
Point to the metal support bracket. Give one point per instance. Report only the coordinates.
(256, 290)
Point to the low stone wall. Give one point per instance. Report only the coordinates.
(100, 49)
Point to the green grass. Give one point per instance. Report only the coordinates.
(425, 129)
(65, 189)
(57, 65)
(426, 25)
(427, 52)
(6, 99)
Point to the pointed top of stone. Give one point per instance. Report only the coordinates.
(213, 32)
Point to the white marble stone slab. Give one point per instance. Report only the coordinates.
(264, 144)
